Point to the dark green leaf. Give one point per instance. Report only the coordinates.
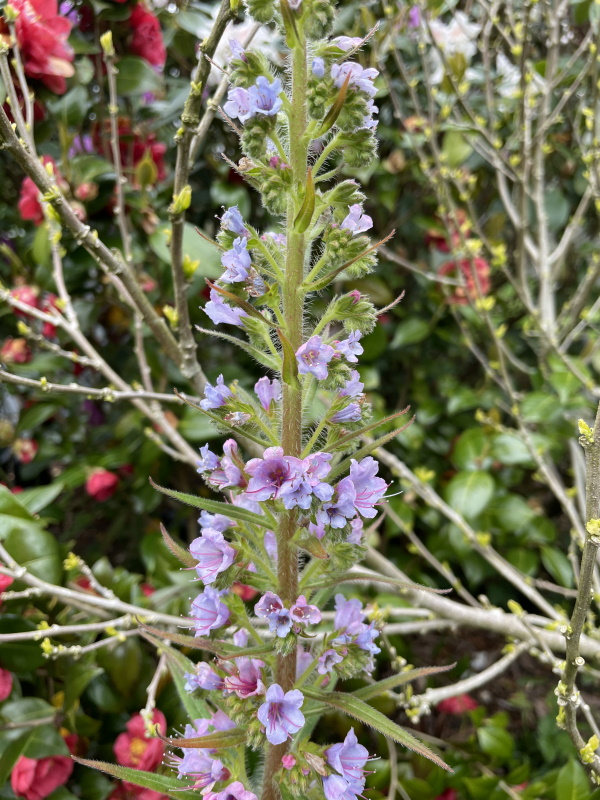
(470, 492)
(164, 784)
(572, 783)
(136, 77)
(38, 552)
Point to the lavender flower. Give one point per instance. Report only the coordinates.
(239, 104)
(204, 677)
(237, 51)
(356, 221)
(215, 396)
(278, 238)
(208, 460)
(237, 262)
(200, 765)
(235, 791)
(357, 531)
(338, 513)
(240, 638)
(220, 311)
(229, 472)
(265, 96)
(359, 76)
(270, 541)
(268, 604)
(213, 553)
(281, 714)
(346, 43)
(349, 759)
(350, 347)
(318, 67)
(349, 414)
(336, 788)
(365, 638)
(246, 681)
(349, 615)
(414, 17)
(271, 473)
(328, 660)
(268, 391)
(271, 608)
(208, 612)
(313, 357)
(353, 387)
(217, 522)
(369, 489)
(303, 613)
(233, 221)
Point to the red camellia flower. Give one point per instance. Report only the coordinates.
(29, 204)
(447, 794)
(6, 682)
(25, 450)
(438, 238)
(102, 484)
(28, 295)
(134, 749)
(15, 351)
(49, 304)
(244, 591)
(471, 290)
(36, 778)
(5, 580)
(42, 34)
(457, 705)
(147, 41)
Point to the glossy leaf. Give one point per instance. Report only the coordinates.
(470, 492)
(572, 783)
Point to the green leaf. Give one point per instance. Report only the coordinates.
(366, 450)
(215, 506)
(510, 449)
(268, 361)
(165, 784)
(558, 565)
(136, 77)
(12, 752)
(289, 369)
(218, 648)
(180, 553)
(387, 684)
(455, 148)
(35, 500)
(471, 451)
(217, 740)
(194, 246)
(359, 710)
(572, 783)
(21, 657)
(540, 407)
(37, 551)
(470, 492)
(71, 109)
(412, 331)
(496, 742)
(307, 210)
(350, 437)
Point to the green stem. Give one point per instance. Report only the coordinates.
(325, 154)
(291, 420)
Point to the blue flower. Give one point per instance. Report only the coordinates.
(281, 714)
(220, 311)
(239, 104)
(356, 221)
(318, 67)
(233, 221)
(265, 96)
(215, 396)
(237, 262)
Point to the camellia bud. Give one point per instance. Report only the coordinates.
(146, 171)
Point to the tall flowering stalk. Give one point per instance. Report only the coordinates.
(291, 523)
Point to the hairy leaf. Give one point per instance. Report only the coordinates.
(366, 450)
(180, 553)
(270, 362)
(387, 684)
(351, 577)
(217, 740)
(165, 784)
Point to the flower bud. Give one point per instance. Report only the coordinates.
(359, 147)
(274, 193)
(319, 18)
(172, 315)
(245, 73)
(346, 193)
(189, 267)
(320, 94)
(10, 13)
(355, 314)
(255, 134)
(106, 42)
(146, 171)
(261, 10)
(353, 112)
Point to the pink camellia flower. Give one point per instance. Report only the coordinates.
(147, 41)
(101, 485)
(6, 683)
(25, 450)
(447, 794)
(473, 288)
(36, 778)
(42, 34)
(5, 582)
(133, 748)
(15, 351)
(457, 705)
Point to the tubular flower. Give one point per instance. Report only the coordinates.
(281, 714)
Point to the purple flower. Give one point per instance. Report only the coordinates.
(295, 4)
(208, 612)
(278, 238)
(239, 104)
(237, 262)
(217, 522)
(359, 76)
(270, 541)
(200, 765)
(235, 791)
(306, 482)
(346, 43)
(271, 608)
(265, 96)
(81, 144)
(303, 660)
(317, 530)
(229, 472)
(215, 396)
(349, 414)
(349, 615)
(233, 221)
(208, 460)
(368, 121)
(328, 660)
(349, 759)
(271, 473)
(220, 311)
(213, 553)
(338, 513)
(365, 638)
(318, 67)
(268, 391)
(336, 788)
(353, 387)
(350, 347)
(356, 221)
(369, 489)
(203, 678)
(414, 17)
(240, 638)
(281, 714)
(357, 531)
(237, 51)
(247, 679)
(313, 357)
(268, 604)
(303, 613)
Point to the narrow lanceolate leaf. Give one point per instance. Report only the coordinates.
(350, 437)
(248, 307)
(321, 283)
(257, 650)
(353, 577)
(214, 506)
(270, 362)
(218, 648)
(223, 423)
(307, 210)
(387, 684)
(178, 665)
(366, 450)
(217, 740)
(289, 371)
(180, 553)
(335, 109)
(358, 709)
(164, 784)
